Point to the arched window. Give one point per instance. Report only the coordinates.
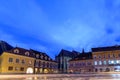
(107, 69)
(16, 51)
(27, 53)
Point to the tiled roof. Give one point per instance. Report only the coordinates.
(110, 48)
(41, 54)
(67, 53)
(4, 46)
(22, 51)
(83, 56)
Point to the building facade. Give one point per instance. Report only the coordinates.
(106, 59)
(63, 57)
(82, 63)
(20, 60)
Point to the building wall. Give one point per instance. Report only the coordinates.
(106, 61)
(24, 65)
(81, 66)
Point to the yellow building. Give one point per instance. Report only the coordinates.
(43, 63)
(17, 60)
(106, 59)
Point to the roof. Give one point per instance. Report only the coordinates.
(83, 56)
(41, 54)
(68, 53)
(4, 46)
(109, 48)
(22, 52)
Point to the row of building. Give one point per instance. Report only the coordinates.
(20, 60)
(101, 59)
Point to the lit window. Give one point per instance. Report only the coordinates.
(95, 62)
(118, 61)
(10, 59)
(104, 62)
(100, 62)
(112, 62)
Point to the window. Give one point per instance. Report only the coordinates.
(118, 61)
(27, 53)
(16, 68)
(37, 55)
(16, 51)
(23, 61)
(22, 69)
(100, 62)
(10, 68)
(41, 56)
(99, 56)
(30, 62)
(104, 56)
(10, 59)
(94, 56)
(89, 63)
(17, 60)
(108, 55)
(118, 55)
(95, 62)
(104, 62)
(113, 55)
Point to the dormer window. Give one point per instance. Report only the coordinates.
(16, 51)
(37, 55)
(41, 56)
(45, 57)
(49, 59)
(27, 53)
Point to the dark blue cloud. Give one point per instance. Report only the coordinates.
(52, 25)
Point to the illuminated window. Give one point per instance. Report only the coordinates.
(100, 62)
(104, 62)
(10, 68)
(17, 60)
(95, 62)
(10, 59)
(118, 61)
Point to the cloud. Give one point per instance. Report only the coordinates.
(51, 26)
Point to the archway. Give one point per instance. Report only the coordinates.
(29, 70)
(107, 69)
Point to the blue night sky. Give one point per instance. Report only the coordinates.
(52, 25)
